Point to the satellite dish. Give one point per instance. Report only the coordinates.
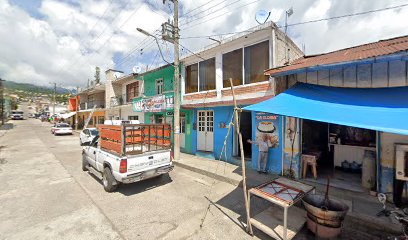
(137, 69)
(262, 16)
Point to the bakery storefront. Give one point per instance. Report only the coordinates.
(338, 132)
(269, 125)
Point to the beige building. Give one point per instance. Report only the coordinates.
(120, 91)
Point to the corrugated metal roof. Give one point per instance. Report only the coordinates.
(369, 50)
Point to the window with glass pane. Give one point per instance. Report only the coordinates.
(101, 119)
(133, 117)
(159, 86)
(192, 78)
(132, 91)
(207, 74)
(232, 68)
(182, 124)
(256, 61)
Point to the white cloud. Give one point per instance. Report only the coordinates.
(67, 41)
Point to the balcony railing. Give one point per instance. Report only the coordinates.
(120, 100)
(90, 105)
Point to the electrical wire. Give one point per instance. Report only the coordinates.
(189, 12)
(223, 14)
(186, 21)
(305, 22)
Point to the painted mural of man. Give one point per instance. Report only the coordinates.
(263, 146)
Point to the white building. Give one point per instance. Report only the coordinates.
(120, 92)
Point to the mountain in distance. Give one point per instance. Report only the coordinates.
(29, 87)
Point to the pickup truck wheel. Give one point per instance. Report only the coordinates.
(84, 163)
(109, 182)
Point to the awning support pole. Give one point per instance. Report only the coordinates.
(241, 148)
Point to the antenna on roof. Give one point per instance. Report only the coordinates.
(262, 16)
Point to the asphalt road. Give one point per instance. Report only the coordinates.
(44, 194)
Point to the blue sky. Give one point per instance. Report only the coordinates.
(63, 40)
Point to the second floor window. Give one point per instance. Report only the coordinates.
(207, 74)
(159, 86)
(132, 91)
(200, 76)
(232, 68)
(256, 60)
(192, 78)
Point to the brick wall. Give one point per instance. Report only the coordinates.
(200, 96)
(263, 87)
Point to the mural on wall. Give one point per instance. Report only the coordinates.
(269, 125)
(266, 124)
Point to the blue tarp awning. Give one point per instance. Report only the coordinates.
(381, 109)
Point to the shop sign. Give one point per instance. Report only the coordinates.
(169, 102)
(169, 114)
(267, 124)
(153, 104)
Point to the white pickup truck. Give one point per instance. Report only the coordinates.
(141, 156)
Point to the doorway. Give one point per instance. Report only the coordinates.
(245, 128)
(345, 154)
(205, 130)
(182, 130)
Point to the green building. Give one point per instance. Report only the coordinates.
(157, 103)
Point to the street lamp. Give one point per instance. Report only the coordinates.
(157, 42)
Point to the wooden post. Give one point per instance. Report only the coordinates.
(241, 148)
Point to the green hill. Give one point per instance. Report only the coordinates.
(28, 87)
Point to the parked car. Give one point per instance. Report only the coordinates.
(139, 157)
(61, 128)
(87, 135)
(17, 115)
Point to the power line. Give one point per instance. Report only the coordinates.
(196, 8)
(210, 13)
(223, 14)
(347, 15)
(301, 23)
(89, 32)
(120, 27)
(186, 21)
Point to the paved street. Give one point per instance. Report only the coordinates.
(45, 195)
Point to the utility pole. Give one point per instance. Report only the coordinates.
(170, 33)
(176, 84)
(53, 97)
(76, 108)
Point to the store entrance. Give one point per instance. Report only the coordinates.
(345, 154)
(246, 132)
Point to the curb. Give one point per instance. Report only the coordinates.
(208, 174)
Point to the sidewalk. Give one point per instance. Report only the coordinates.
(363, 208)
(222, 171)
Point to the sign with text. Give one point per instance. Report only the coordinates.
(154, 104)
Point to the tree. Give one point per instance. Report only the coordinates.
(97, 75)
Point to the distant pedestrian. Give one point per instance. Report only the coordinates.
(263, 146)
